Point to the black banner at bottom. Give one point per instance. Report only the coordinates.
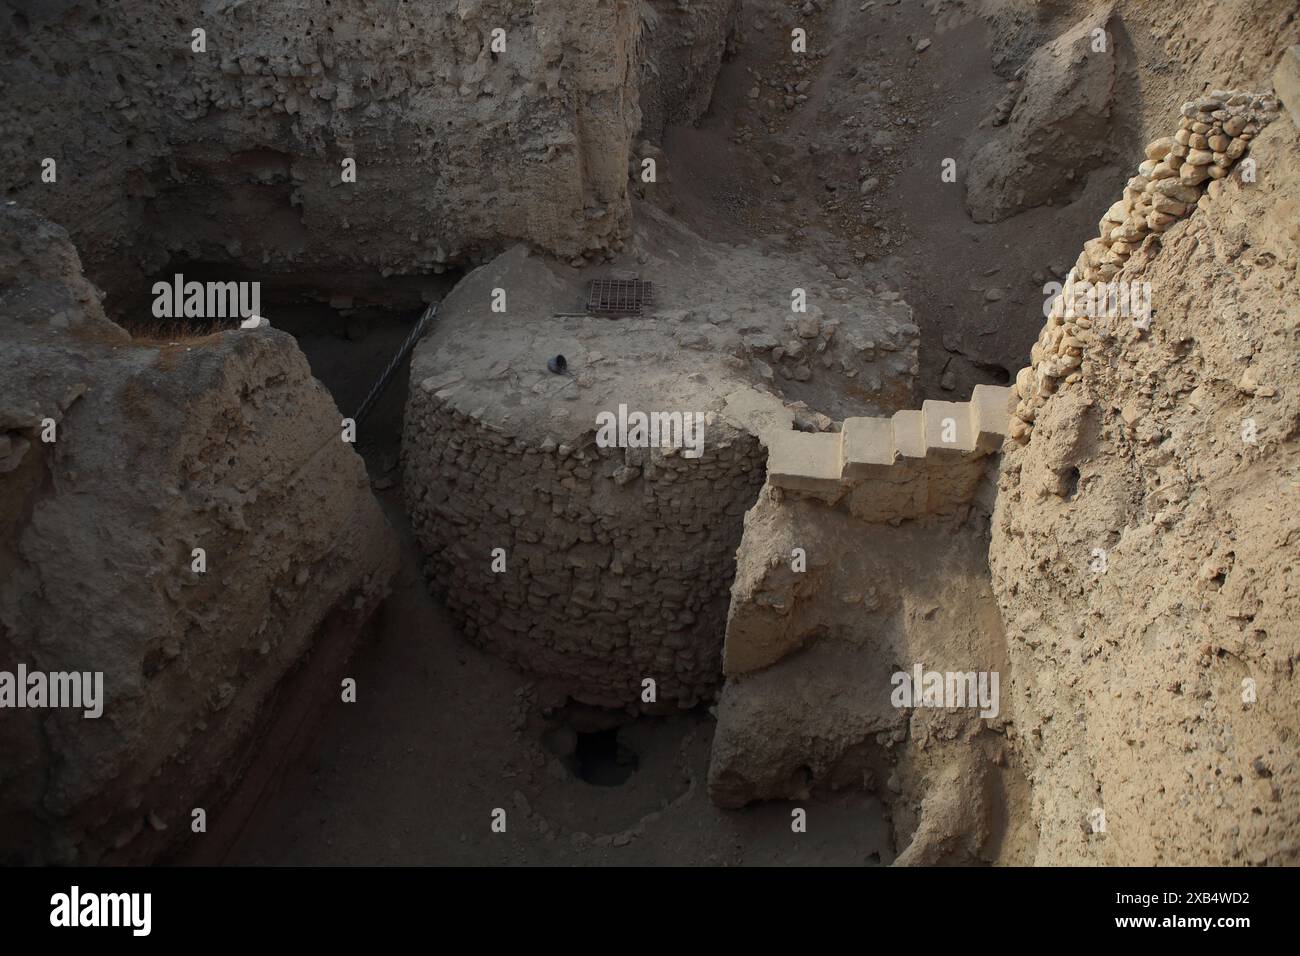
(338, 905)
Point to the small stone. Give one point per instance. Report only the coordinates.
(1159, 149)
(1164, 170)
(923, 45)
(1169, 206)
(624, 474)
(1159, 221)
(1176, 190)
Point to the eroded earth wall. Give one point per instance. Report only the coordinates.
(1145, 545)
(118, 459)
(873, 600)
(683, 45)
(235, 154)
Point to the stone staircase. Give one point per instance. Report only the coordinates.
(917, 462)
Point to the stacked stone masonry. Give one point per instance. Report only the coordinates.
(618, 562)
(1179, 171)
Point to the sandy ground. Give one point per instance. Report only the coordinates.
(442, 734)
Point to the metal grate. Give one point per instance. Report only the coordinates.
(616, 297)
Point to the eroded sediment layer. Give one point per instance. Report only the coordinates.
(223, 443)
(811, 655)
(682, 46)
(235, 153)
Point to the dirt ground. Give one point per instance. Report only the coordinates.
(754, 170)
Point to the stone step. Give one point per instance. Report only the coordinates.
(877, 447)
(948, 428)
(802, 461)
(868, 445)
(908, 428)
(990, 412)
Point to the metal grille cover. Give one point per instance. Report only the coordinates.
(619, 296)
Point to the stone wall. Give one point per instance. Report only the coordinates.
(616, 566)
(234, 154)
(224, 443)
(618, 560)
(1180, 174)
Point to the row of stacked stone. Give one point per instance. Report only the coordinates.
(605, 580)
(1213, 135)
